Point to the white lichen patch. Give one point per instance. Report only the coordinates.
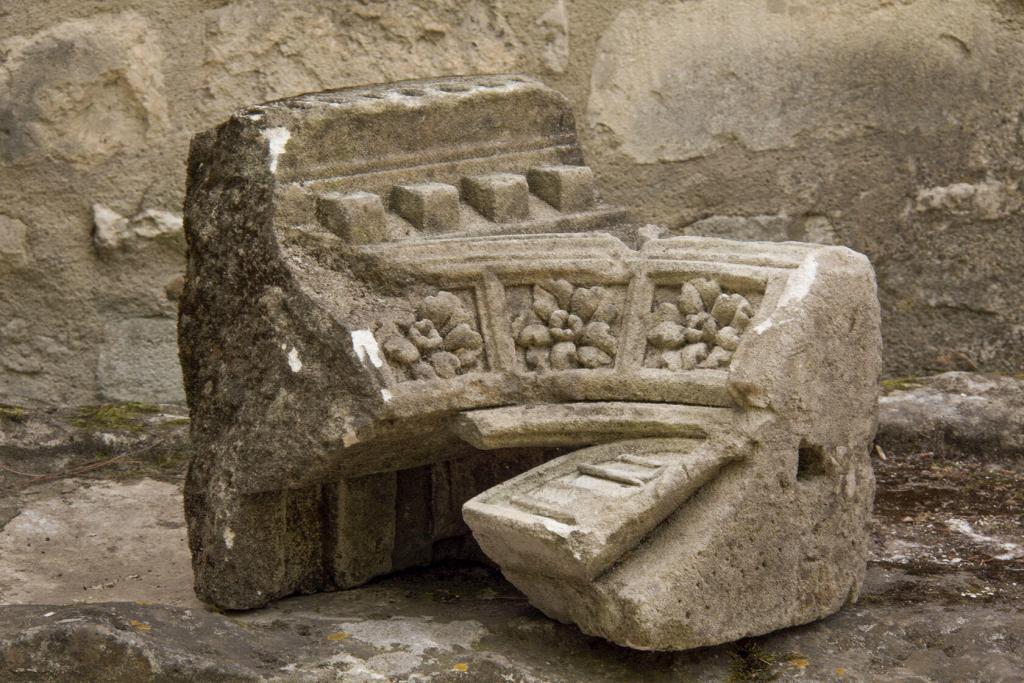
(365, 345)
(277, 139)
(401, 644)
(294, 362)
(1010, 551)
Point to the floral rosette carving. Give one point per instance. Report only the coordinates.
(441, 342)
(567, 327)
(701, 329)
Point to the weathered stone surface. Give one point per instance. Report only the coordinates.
(828, 109)
(86, 115)
(825, 126)
(988, 201)
(14, 251)
(432, 207)
(334, 379)
(358, 218)
(90, 504)
(41, 541)
(936, 604)
(711, 541)
(555, 22)
(119, 642)
(460, 625)
(758, 78)
(138, 361)
(83, 90)
(113, 232)
(391, 39)
(29, 353)
(567, 188)
(399, 361)
(773, 228)
(43, 442)
(501, 197)
(958, 412)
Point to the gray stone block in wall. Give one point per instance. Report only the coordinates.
(139, 362)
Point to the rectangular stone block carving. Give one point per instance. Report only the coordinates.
(407, 305)
(500, 197)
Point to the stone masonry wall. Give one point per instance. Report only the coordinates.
(895, 127)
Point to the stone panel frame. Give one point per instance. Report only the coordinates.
(492, 271)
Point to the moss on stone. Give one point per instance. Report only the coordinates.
(171, 460)
(751, 662)
(12, 413)
(120, 416)
(174, 422)
(901, 384)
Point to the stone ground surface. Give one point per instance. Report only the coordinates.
(95, 581)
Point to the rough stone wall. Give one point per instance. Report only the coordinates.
(895, 127)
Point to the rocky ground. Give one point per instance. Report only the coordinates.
(95, 581)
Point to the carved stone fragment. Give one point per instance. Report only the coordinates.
(433, 207)
(441, 342)
(700, 329)
(406, 305)
(358, 217)
(567, 327)
(501, 197)
(567, 188)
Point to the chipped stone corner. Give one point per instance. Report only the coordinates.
(277, 140)
(521, 322)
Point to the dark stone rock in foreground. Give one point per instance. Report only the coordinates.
(466, 624)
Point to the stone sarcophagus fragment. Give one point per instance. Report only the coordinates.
(411, 330)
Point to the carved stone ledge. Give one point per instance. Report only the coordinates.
(406, 302)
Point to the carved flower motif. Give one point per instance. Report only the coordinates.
(441, 342)
(567, 327)
(701, 329)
